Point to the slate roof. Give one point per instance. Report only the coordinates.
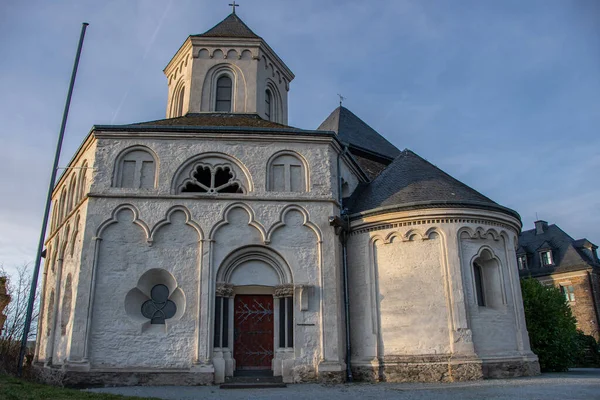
(214, 119)
(357, 134)
(231, 26)
(411, 181)
(567, 253)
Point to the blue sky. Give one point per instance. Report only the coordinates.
(503, 95)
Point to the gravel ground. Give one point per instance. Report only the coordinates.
(576, 384)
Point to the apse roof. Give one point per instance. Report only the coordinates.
(231, 26)
(355, 132)
(411, 181)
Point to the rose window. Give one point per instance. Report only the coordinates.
(212, 179)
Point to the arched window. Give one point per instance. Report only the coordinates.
(63, 205)
(180, 102)
(224, 91)
(268, 104)
(207, 178)
(81, 182)
(287, 173)
(54, 215)
(479, 284)
(488, 280)
(135, 169)
(72, 193)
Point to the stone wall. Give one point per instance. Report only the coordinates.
(414, 311)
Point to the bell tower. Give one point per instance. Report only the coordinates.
(228, 69)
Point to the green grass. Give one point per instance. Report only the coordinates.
(19, 389)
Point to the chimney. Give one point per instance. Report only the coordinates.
(540, 227)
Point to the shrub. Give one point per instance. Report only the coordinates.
(589, 352)
(551, 325)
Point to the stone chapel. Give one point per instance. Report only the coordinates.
(221, 240)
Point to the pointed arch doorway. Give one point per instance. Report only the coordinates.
(253, 317)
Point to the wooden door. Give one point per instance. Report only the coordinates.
(253, 331)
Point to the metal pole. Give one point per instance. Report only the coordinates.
(38, 259)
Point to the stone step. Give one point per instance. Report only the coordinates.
(254, 379)
(256, 385)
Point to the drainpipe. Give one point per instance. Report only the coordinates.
(342, 226)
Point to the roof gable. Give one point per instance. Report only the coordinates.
(357, 133)
(231, 26)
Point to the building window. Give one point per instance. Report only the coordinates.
(522, 261)
(268, 104)
(568, 292)
(479, 284)
(546, 257)
(211, 179)
(159, 308)
(224, 91)
(136, 170)
(287, 174)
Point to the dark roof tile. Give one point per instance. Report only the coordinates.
(410, 179)
(565, 254)
(215, 119)
(355, 132)
(232, 26)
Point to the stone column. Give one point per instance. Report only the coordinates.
(283, 360)
(461, 336)
(222, 360)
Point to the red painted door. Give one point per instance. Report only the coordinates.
(253, 331)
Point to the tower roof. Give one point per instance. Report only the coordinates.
(355, 132)
(411, 181)
(232, 26)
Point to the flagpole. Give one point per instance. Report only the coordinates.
(38, 258)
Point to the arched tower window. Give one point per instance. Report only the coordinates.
(268, 104)
(224, 91)
(287, 173)
(135, 169)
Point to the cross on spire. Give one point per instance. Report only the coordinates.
(342, 98)
(233, 6)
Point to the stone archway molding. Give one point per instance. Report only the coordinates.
(255, 252)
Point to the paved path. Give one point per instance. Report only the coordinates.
(578, 384)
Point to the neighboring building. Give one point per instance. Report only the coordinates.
(4, 300)
(550, 255)
(184, 249)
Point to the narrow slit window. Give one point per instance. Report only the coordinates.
(286, 322)
(479, 284)
(268, 101)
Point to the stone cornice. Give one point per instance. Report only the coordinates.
(415, 217)
(223, 197)
(205, 132)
